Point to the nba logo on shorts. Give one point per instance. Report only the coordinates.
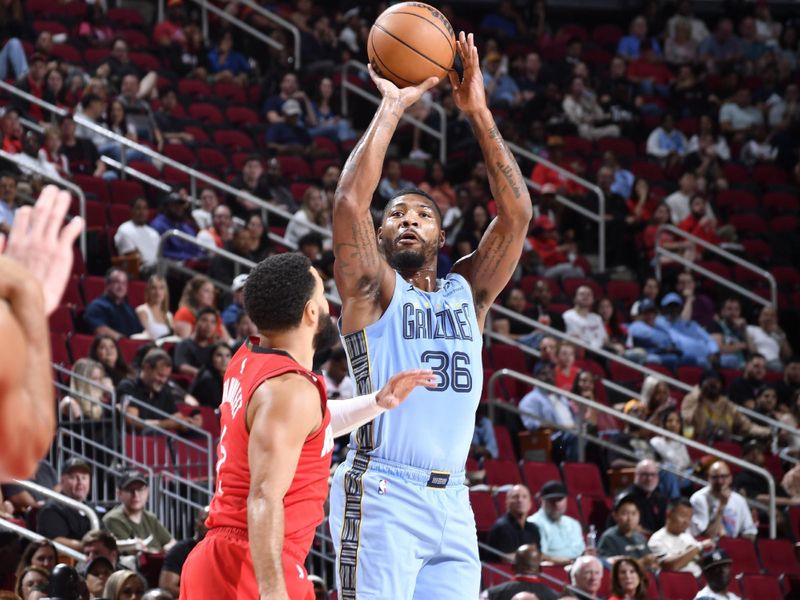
(382, 487)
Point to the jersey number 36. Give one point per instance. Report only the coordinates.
(453, 371)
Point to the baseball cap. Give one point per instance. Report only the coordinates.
(553, 489)
(624, 498)
(291, 107)
(76, 464)
(714, 558)
(646, 305)
(97, 560)
(542, 365)
(544, 222)
(173, 198)
(238, 282)
(671, 298)
(130, 477)
(548, 188)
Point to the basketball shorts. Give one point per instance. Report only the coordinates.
(220, 568)
(402, 533)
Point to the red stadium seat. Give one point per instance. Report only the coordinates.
(213, 159)
(690, 375)
(61, 320)
(205, 112)
(241, 115)
(150, 450)
(624, 374)
(495, 574)
(125, 191)
(180, 153)
(677, 585)
(78, 345)
(326, 144)
(67, 53)
(414, 173)
(484, 509)
(198, 133)
(53, 27)
(95, 215)
(786, 276)
(559, 574)
(718, 268)
(735, 173)
(539, 473)
(791, 586)
(117, 215)
(778, 556)
(767, 174)
(135, 38)
(621, 147)
(781, 202)
(294, 167)
(760, 587)
(748, 224)
(743, 554)
(145, 60)
(321, 165)
(501, 472)
(607, 35)
(298, 189)
(230, 92)
(784, 224)
(92, 186)
(504, 446)
(194, 88)
(736, 200)
(579, 145)
(95, 56)
(583, 478)
(173, 176)
(145, 167)
(595, 510)
(648, 170)
(758, 249)
(232, 139)
(58, 349)
(136, 292)
(93, 287)
(72, 293)
(191, 462)
(571, 285)
(125, 16)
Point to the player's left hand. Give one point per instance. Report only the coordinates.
(402, 384)
(469, 93)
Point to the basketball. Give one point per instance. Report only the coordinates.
(410, 42)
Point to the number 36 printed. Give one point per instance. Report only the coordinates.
(453, 371)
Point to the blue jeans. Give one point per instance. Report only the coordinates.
(112, 150)
(13, 54)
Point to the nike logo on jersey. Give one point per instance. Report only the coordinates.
(241, 369)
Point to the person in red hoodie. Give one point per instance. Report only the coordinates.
(699, 224)
(556, 259)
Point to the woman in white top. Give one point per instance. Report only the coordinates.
(154, 313)
(85, 386)
(768, 339)
(314, 210)
(672, 453)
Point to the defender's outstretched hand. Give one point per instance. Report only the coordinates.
(405, 96)
(402, 384)
(469, 93)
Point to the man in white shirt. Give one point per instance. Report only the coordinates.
(582, 323)
(718, 510)
(137, 237)
(739, 115)
(716, 567)
(675, 548)
(678, 201)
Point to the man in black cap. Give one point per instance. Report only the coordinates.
(716, 567)
(62, 523)
(526, 578)
(174, 215)
(131, 520)
(97, 572)
(561, 536)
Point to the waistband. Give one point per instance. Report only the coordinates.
(432, 478)
(240, 535)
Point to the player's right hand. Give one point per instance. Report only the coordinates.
(404, 96)
(402, 384)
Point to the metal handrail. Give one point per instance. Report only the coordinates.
(260, 35)
(60, 181)
(440, 135)
(128, 170)
(35, 537)
(596, 406)
(61, 498)
(773, 285)
(275, 18)
(193, 174)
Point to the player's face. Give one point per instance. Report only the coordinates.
(411, 234)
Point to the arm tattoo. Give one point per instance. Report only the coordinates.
(359, 255)
(507, 171)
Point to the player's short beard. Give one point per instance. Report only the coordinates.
(327, 334)
(407, 260)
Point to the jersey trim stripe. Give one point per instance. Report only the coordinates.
(358, 355)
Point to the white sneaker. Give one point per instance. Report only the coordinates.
(418, 154)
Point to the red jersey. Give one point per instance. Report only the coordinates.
(251, 366)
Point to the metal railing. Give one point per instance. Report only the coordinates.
(347, 86)
(60, 181)
(280, 21)
(35, 537)
(61, 499)
(259, 35)
(135, 173)
(689, 264)
(602, 408)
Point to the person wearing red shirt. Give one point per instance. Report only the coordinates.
(699, 224)
(566, 371)
(543, 174)
(554, 257)
(277, 439)
(170, 30)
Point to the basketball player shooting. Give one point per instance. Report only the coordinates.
(276, 442)
(400, 513)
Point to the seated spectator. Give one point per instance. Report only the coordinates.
(118, 123)
(716, 567)
(245, 329)
(224, 270)
(174, 215)
(557, 259)
(672, 453)
(202, 216)
(738, 116)
(8, 201)
(694, 344)
(673, 545)
(649, 73)
(513, 530)
(123, 585)
(207, 385)
(722, 49)
(12, 56)
(151, 391)
(624, 539)
(250, 180)
(22, 500)
(754, 486)
(194, 352)
(96, 31)
(565, 368)
(86, 394)
(82, 154)
(170, 120)
(652, 503)
(221, 229)
(744, 389)
(540, 408)
(12, 131)
(92, 108)
(501, 89)
(616, 332)
(680, 48)
(170, 576)
(784, 111)
(541, 299)
(678, 201)
(716, 146)
(628, 580)
(338, 382)
(105, 350)
(110, 314)
(561, 536)
(543, 174)
(758, 148)
(29, 578)
(697, 306)
(768, 339)
(313, 210)
(154, 314)
(439, 188)
(60, 522)
(198, 293)
(789, 385)
(729, 331)
(630, 45)
(585, 386)
(136, 238)
(231, 312)
(526, 578)
(138, 112)
(39, 553)
(289, 89)
(50, 153)
(645, 335)
(276, 188)
(130, 520)
(474, 224)
(582, 110)
(586, 577)
(289, 137)
(667, 143)
(96, 575)
(666, 239)
(28, 160)
(718, 510)
(100, 543)
(33, 83)
(225, 63)
(700, 224)
(310, 246)
(325, 119)
(514, 299)
(391, 182)
(583, 324)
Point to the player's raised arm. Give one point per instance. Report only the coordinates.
(362, 274)
(489, 268)
(281, 414)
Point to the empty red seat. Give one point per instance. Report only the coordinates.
(192, 460)
(174, 176)
(495, 574)
(145, 61)
(504, 446)
(607, 35)
(573, 143)
(786, 276)
(93, 287)
(92, 186)
(53, 27)
(241, 115)
(677, 585)
(784, 224)
(572, 284)
(326, 144)
(136, 292)
(213, 159)
(205, 112)
(321, 165)
(96, 217)
(95, 56)
(621, 373)
(748, 224)
(230, 91)
(72, 293)
(621, 147)
(117, 215)
(781, 202)
(294, 167)
(736, 200)
(484, 509)
(625, 291)
(180, 153)
(648, 170)
(595, 510)
(58, 349)
(125, 191)
(743, 554)
(415, 174)
(194, 88)
(539, 473)
(760, 587)
(61, 320)
(690, 375)
(583, 478)
(501, 472)
(125, 16)
(736, 173)
(233, 140)
(78, 345)
(150, 450)
(778, 556)
(67, 53)
(767, 174)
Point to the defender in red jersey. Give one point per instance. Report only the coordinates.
(277, 432)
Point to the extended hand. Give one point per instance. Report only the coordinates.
(405, 96)
(401, 385)
(469, 93)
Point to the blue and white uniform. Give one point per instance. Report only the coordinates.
(399, 510)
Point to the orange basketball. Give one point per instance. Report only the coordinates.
(410, 42)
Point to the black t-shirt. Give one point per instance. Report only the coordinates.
(743, 389)
(45, 476)
(652, 507)
(177, 555)
(506, 591)
(58, 520)
(506, 535)
(161, 400)
(207, 388)
(82, 156)
(189, 352)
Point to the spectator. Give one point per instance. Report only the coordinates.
(672, 453)
(276, 188)
(21, 499)
(695, 346)
(630, 45)
(540, 306)
(289, 137)
(325, 119)
(194, 352)
(245, 329)
(50, 153)
(623, 179)
(60, 522)
(561, 536)
(684, 13)
(716, 568)
(673, 545)
(12, 58)
(221, 229)
(154, 314)
(652, 503)
(310, 246)
(788, 386)
(81, 153)
(110, 314)
(768, 339)
(531, 80)
(231, 312)
(8, 202)
(582, 110)
(170, 30)
(29, 578)
(338, 383)
(624, 539)
(171, 120)
(667, 143)
(565, 368)
(138, 112)
(252, 181)
(473, 226)
(86, 393)
(92, 108)
(313, 211)
(680, 48)
(513, 529)
(33, 84)
(136, 238)
(697, 306)
(583, 324)
(220, 268)
(105, 350)
(100, 543)
(439, 188)
(712, 416)
(729, 331)
(391, 183)
(54, 90)
(150, 391)
(678, 201)
(124, 585)
(744, 389)
(130, 520)
(202, 216)
(173, 215)
(170, 576)
(226, 64)
(543, 174)
(12, 131)
(526, 578)
(96, 575)
(784, 112)
(289, 90)
(628, 580)
(752, 485)
(501, 89)
(198, 293)
(207, 386)
(616, 332)
(758, 148)
(39, 553)
(699, 223)
(718, 510)
(28, 160)
(95, 31)
(586, 576)
(715, 146)
(556, 259)
(722, 49)
(738, 115)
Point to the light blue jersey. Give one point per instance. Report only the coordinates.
(399, 510)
